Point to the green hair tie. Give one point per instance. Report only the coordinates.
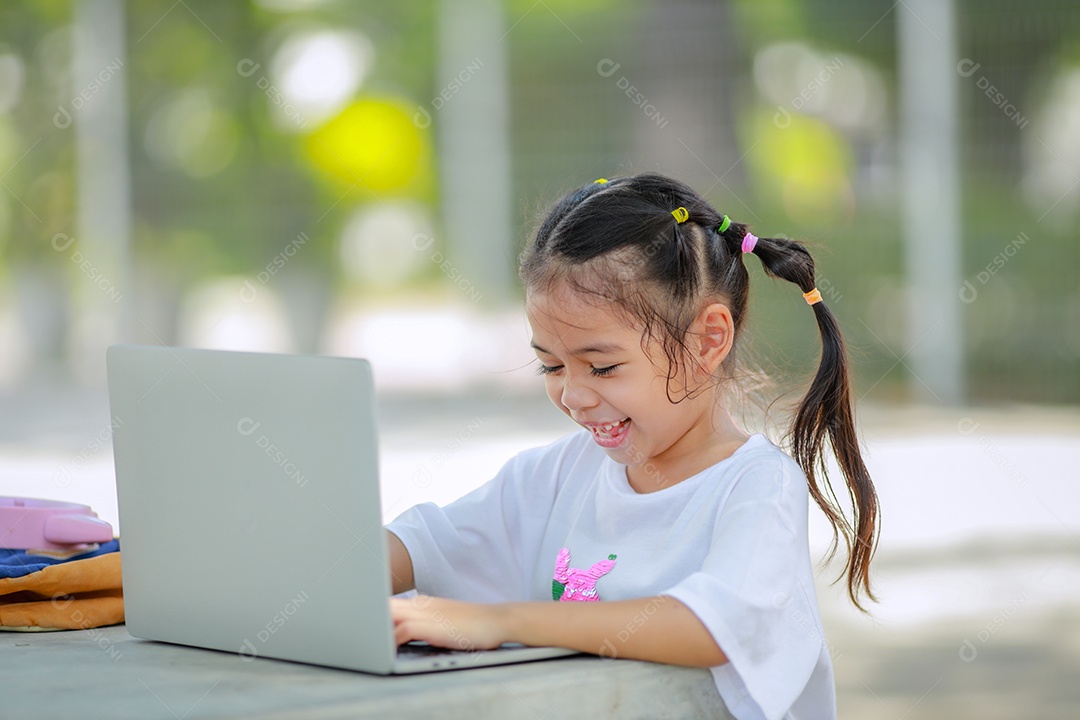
(724, 225)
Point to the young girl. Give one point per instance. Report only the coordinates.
(662, 529)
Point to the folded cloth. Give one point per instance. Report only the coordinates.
(48, 590)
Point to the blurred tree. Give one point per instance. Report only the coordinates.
(224, 177)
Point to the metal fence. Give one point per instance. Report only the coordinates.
(275, 166)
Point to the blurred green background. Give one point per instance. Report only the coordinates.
(289, 169)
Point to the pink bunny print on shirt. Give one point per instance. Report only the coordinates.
(576, 585)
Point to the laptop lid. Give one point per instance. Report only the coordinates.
(249, 504)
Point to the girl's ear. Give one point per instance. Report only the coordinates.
(713, 334)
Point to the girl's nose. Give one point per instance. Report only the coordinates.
(576, 395)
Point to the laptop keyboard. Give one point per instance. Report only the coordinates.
(415, 649)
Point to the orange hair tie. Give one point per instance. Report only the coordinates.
(812, 297)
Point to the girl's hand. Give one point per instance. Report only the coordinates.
(446, 623)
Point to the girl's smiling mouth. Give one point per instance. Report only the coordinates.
(611, 434)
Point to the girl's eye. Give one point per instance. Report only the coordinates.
(597, 372)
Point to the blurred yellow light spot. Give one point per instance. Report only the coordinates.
(372, 147)
(807, 163)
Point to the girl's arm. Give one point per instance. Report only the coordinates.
(659, 629)
(401, 571)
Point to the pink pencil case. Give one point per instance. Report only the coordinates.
(49, 524)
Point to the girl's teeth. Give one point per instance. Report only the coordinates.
(608, 427)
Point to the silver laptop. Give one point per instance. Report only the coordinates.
(249, 505)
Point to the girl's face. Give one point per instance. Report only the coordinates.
(598, 372)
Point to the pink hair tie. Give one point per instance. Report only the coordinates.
(748, 242)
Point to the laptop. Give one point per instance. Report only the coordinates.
(250, 518)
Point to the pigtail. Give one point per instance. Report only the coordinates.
(826, 411)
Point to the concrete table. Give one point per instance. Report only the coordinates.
(106, 673)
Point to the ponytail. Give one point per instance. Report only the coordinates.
(826, 410)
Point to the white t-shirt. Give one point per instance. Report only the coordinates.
(730, 543)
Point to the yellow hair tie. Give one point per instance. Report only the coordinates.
(601, 181)
(812, 297)
(680, 214)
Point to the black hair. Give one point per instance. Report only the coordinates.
(618, 242)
